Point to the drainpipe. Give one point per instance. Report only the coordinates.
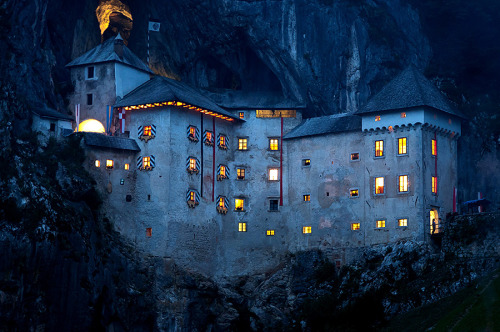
(281, 164)
(213, 162)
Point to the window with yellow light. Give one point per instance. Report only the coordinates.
(273, 174)
(127, 167)
(270, 232)
(239, 204)
(109, 164)
(379, 186)
(379, 148)
(355, 226)
(242, 143)
(240, 173)
(242, 227)
(403, 183)
(380, 223)
(97, 163)
(273, 144)
(402, 222)
(402, 148)
(146, 162)
(306, 229)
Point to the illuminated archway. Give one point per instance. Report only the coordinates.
(92, 126)
(434, 221)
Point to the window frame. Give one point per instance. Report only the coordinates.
(380, 223)
(355, 226)
(375, 185)
(242, 227)
(405, 153)
(351, 190)
(242, 144)
(407, 184)
(399, 222)
(306, 229)
(242, 199)
(433, 147)
(306, 198)
(306, 162)
(354, 160)
(270, 145)
(269, 174)
(192, 130)
(375, 149)
(222, 142)
(87, 70)
(434, 185)
(97, 163)
(238, 170)
(271, 199)
(110, 164)
(270, 232)
(241, 115)
(206, 140)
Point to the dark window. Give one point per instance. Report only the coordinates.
(149, 197)
(149, 232)
(90, 99)
(52, 127)
(128, 198)
(273, 205)
(355, 156)
(90, 72)
(306, 162)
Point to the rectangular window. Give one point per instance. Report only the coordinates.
(403, 114)
(355, 226)
(242, 143)
(242, 227)
(273, 144)
(147, 131)
(240, 173)
(434, 147)
(379, 186)
(193, 133)
(307, 198)
(380, 223)
(354, 192)
(52, 127)
(403, 183)
(241, 115)
(192, 163)
(90, 72)
(402, 145)
(434, 185)
(109, 164)
(223, 142)
(273, 205)
(146, 162)
(379, 148)
(306, 162)
(270, 232)
(273, 174)
(354, 156)
(192, 196)
(97, 163)
(306, 229)
(222, 171)
(209, 138)
(127, 167)
(149, 232)
(90, 99)
(377, 118)
(239, 204)
(402, 222)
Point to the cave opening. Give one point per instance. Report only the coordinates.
(114, 17)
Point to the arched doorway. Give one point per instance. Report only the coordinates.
(434, 221)
(91, 125)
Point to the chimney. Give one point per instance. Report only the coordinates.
(119, 45)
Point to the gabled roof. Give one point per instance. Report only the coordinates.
(110, 142)
(105, 52)
(408, 90)
(326, 125)
(45, 112)
(160, 89)
(252, 100)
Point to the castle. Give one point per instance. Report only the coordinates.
(226, 185)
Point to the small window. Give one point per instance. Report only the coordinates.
(354, 192)
(52, 127)
(90, 72)
(377, 118)
(222, 204)
(192, 166)
(306, 229)
(208, 138)
(109, 164)
(380, 223)
(403, 114)
(241, 115)
(379, 186)
(122, 182)
(97, 163)
(434, 184)
(149, 197)
(222, 172)
(240, 173)
(354, 156)
(270, 232)
(149, 232)
(306, 162)
(128, 198)
(379, 148)
(239, 204)
(192, 198)
(127, 167)
(273, 174)
(192, 133)
(273, 144)
(222, 142)
(242, 143)
(402, 147)
(403, 183)
(146, 162)
(146, 131)
(273, 205)
(434, 147)
(402, 222)
(307, 198)
(242, 227)
(449, 121)
(90, 99)
(355, 226)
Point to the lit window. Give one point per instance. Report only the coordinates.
(402, 222)
(109, 164)
(377, 118)
(380, 223)
(242, 143)
(90, 72)
(391, 129)
(307, 198)
(273, 174)
(97, 163)
(354, 192)
(434, 147)
(379, 185)
(239, 204)
(273, 205)
(240, 173)
(193, 133)
(355, 156)
(355, 226)
(241, 115)
(270, 232)
(306, 162)
(403, 183)
(149, 232)
(90, 99)
(222, 204)
(222, 142)
(434, 184)
(273, 144)
(192, 165)
(379, 148)
(242, 227)
(402, 145)
(222, 172)
(403, 114)
(192, 196)
(209, 138)
(306, 229)
(146, 162)
(127, 167)
(147, 131)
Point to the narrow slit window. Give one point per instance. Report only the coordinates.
(402, 147)
(403, 183)
(380, 223)
(434, 147)
(90, 99)
(434, 184)
(149, 232)
(306, 230)
(379, 186)
(379, 148)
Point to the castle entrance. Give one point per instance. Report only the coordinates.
(434, 221)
